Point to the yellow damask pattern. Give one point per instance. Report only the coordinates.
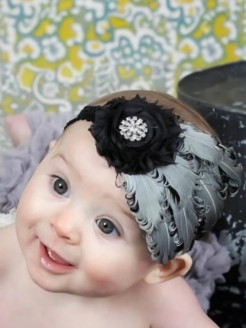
(58, 55)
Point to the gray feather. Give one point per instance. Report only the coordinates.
(199, 143)
(174, 203)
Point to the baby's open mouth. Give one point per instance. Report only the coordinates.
(53, 262)
(55, 257)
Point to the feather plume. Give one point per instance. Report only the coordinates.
(232, 170)
(144, 197)
(180, 178)
(199, 143)
(173, 204)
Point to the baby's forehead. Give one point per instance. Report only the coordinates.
(76, 147)
(77, 136)
(77, 129)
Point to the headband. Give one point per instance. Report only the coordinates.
(176, 177)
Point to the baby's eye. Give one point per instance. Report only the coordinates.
(107, 227)
(59, 185)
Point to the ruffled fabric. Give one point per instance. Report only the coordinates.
(134, 136)
(7, 218)
(211, 260)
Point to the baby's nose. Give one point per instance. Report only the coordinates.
(65, 225)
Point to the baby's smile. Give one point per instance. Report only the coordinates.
(53, 262)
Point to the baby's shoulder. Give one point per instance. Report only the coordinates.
(173, 304)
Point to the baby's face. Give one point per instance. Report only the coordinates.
(75, 229)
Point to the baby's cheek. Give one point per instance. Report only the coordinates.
(103, 270)
(107, 274)
(24, 213)
(32, 206)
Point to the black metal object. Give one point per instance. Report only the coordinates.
(219, 94)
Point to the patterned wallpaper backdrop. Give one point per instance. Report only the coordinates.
(57, 55)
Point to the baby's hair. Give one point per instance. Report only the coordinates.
(176, 173)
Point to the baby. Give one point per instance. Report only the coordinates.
(104, 225)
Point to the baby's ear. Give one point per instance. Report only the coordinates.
(178, 266)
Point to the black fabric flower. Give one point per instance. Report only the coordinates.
(134, 136)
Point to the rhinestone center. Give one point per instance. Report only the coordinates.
(133, 128)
